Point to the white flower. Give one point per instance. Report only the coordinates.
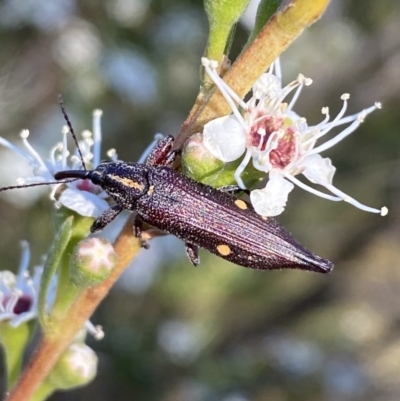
(277, 140)
(80, 196)
(19, 294)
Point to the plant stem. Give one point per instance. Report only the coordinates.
(51, 348)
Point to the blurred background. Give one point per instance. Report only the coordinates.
(219, 332)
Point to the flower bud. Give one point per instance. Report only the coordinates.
(76, 367)
(92, 262)
(199, 164)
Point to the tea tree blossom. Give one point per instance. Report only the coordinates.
(80, 196)
(266, 130)
(19, 293)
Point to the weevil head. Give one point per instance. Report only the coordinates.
(124, 182)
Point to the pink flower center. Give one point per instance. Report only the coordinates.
(23, 304)
(285, 151)
(86, 185)
(262, 129)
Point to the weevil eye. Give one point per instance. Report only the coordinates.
(95, 177)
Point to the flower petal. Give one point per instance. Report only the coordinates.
(271, 200)
(319, 170)
(82, 202)
(267, 84)
(225, 138)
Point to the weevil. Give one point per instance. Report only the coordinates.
(200, 215)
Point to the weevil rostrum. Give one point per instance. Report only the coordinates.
(198, 214)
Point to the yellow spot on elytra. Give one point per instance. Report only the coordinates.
(128, 182)
(264, 217)
(151, 190)
(241, 204)
(224, 250)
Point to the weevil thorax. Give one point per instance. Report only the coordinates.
(124, 182)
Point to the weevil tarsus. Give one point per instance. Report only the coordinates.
(138, 231)
(106, 218)
(162, 153)
(192, 252)
(233, 189)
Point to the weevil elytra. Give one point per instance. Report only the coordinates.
(200, 215)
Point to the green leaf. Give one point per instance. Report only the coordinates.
(266, 9)
(67, 290)
(222, 16)
(52, 263)
(14, 340)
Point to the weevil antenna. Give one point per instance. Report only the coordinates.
(61, 102)
(36, 184)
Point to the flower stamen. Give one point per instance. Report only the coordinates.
(157, 137)
(312, 190)
(303, 82)
(65, 153)
(24, 136)
(383, 211)
(334, 122)
(241, 168)
(97, 136)
(224, 89)
(360, 117)
(16, 149)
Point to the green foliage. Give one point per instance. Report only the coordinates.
(222, 15)
(14, 341)
(265, 11)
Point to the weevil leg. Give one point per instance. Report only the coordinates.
(160, 152)
(192, 252)
(233, 189)
(145, 236)
(105, 218)
(170, 158)
(157, 138)
(138, 231)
